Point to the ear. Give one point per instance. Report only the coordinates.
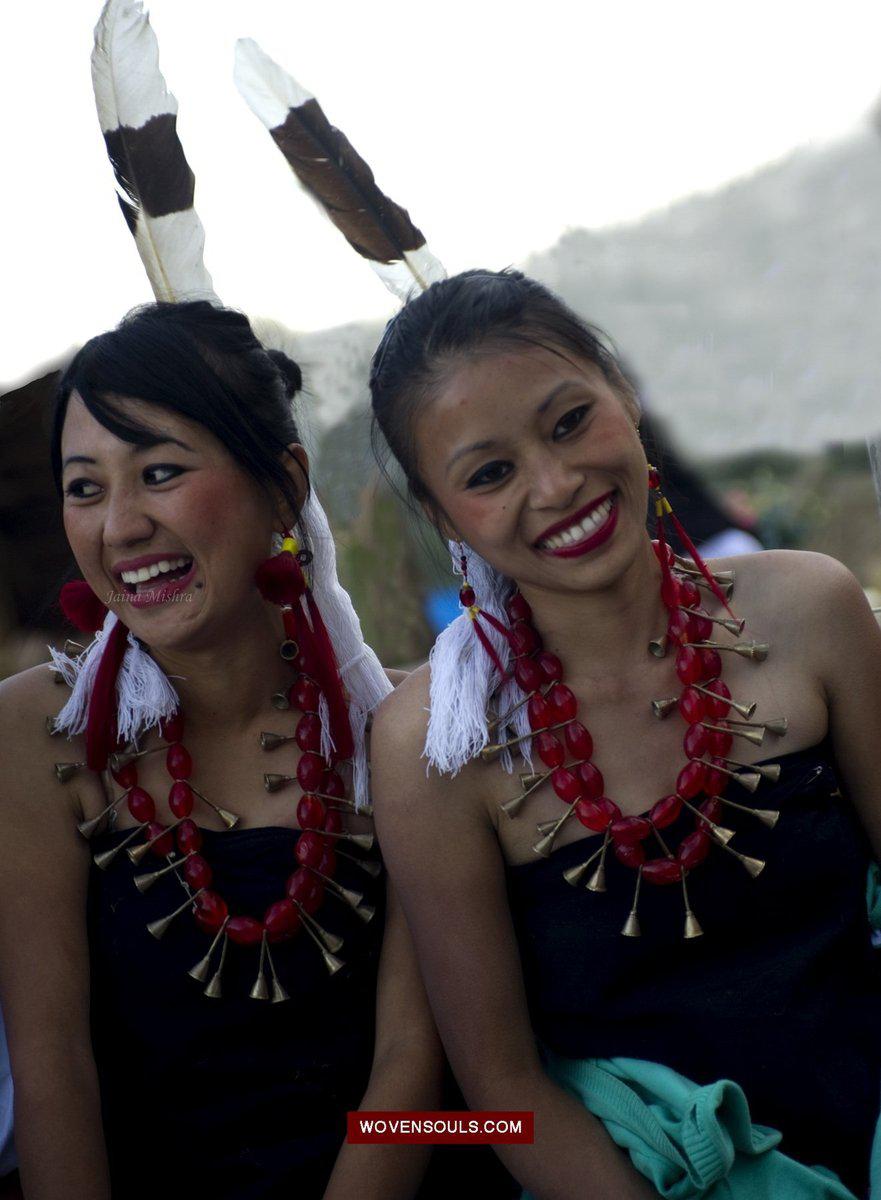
(296, 464)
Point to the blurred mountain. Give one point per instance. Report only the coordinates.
(752, 314)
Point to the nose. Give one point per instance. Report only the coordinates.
(126, 523)
(554, 482)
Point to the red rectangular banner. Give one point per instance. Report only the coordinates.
(434, 1128)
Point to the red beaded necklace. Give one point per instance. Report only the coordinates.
(705, 703)
(319, 812)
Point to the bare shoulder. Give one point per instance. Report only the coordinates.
(402, 719)
(29, 751)
(800, 583)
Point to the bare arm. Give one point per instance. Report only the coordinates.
(44, 973)
(406, 1074)
(850, 666)
(447, 867)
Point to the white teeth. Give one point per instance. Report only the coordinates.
(577, 533)
(151, 572)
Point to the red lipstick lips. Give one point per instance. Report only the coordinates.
(590, 541)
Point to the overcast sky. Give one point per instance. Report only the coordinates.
(499, 125)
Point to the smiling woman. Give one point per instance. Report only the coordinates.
(130, 1006)
(728, 975)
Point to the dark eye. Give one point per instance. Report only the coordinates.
(82, 489)
(161, 473)
(570, 421)
(493, 472)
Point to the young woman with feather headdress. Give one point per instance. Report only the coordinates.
(657, 941)
(189, 899)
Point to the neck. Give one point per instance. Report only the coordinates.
(228, 683)
(597, 633)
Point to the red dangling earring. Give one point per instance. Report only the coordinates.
(85, 611)
(281, 581)
(664, 551)
(476, 614)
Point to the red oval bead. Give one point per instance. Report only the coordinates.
(689, 668)
(539, 712)
(670, 591)
(327, 862)
(549, 749)
(654, 485)
(308, 732)
(528, 674)
(524, 639)
(662, 870)
(695, 741)
(578, 740)
(692, 706)
(245, 931)
(305, 694)
(550, 666)
(197, 872)
(591, 779)
(689, 593)
(304, 663)
(566, 785)
(164, 846)
(310, 813)
(563, 704)
(694, 848)
(310, 771)
(711, 664)
(627, 831)
(719, 743)
(178, 762)
(308, 849)
(140, 805)
(712, 808)
(333, 821)
(306, 889)
(126, 776)
(281, 920)
(700, 629)
(666, 811)
(632, 854)
(466, 596)
(180, 798)
(597, 814)
(332, 785)
(211, 911)
(715, 782)
(517, 608)
(665, 551)
(172, 728)
(189, 837)
(679, 627)
(718, 707)
(690, 780)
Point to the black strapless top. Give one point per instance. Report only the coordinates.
(235, 1099)
(782, 994)
(238, 1099)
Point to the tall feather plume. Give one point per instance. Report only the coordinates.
(155, 185)
(335, 175)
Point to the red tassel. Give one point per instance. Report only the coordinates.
(81, 606)
(280, 579)
(487, 644)
(701, 565)
(331, 683)
(101, 729)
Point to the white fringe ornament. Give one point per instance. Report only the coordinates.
(145, 695)
(464, 678)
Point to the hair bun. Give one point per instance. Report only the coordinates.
(292, 376)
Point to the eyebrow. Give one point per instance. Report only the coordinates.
(135, 449)
(540, 411)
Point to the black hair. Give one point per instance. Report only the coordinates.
(464, 315)
(201, 362)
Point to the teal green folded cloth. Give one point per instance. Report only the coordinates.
(693, 1141)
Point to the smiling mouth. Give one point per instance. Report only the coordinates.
(582, 531)
(157, 576)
